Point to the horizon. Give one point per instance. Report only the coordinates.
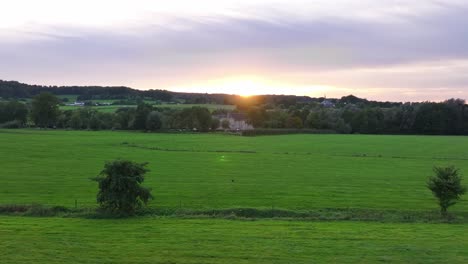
(244, 96)
(398, 51)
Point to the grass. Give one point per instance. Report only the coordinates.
(104, 108)
(167, 240)
(113, 108)
(211, 107)
(206, 171)
(231, 199)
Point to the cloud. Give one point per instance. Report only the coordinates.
(366, 47)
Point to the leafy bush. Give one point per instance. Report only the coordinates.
(446, 187)
(120, 192)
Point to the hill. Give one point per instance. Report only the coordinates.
(17, 90)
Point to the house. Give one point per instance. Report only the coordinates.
(236, 121)
(76, 103)
(327, 103)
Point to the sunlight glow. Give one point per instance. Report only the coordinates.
(244, 88)
(252, 85)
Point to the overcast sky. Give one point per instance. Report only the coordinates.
(387, 50)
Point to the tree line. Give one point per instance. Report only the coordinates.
(445, 118)
(44, 112)
(17, 90)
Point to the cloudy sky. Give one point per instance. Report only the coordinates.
(388, 49)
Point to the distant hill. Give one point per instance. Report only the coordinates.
(17, 90)
(14, 89)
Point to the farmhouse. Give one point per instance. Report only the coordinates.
(76, 103)
(327, 103)
(236, 121)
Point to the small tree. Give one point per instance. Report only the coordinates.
(75, 121)
(120, 190)
(153, 121)
(446, 187)
(45, 110)
(141, 115)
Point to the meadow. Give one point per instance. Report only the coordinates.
(219, 171)
(113, 108)
(169, 240)
(204, 171)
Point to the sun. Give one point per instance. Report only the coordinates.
(243, 87)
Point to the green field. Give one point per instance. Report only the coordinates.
(153, 240)
(217, 171)
(103, 108)
(113, 108)
(290, 172)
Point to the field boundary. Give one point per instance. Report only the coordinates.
(131, 145)
(364, 155)
(323, 214)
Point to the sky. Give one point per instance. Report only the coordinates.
(411, 50)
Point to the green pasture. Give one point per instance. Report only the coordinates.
(168, 240)
(211, 107)
(215, 171)
(103, 108)
(113, 108)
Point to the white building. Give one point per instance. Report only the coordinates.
(237, 121)
(77, 103)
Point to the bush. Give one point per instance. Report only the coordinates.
(446, 187)
(120, 191)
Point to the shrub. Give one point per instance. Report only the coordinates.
(446, 187)
(120, 190)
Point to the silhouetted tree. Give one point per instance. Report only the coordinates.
(202, 118)
(141, 116)
(13, 111)
(215, 123)
(153, 121)
(75, 121)
(45, 109)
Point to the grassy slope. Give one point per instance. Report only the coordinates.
(113, 108)
(148, 240)
(290, 172)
